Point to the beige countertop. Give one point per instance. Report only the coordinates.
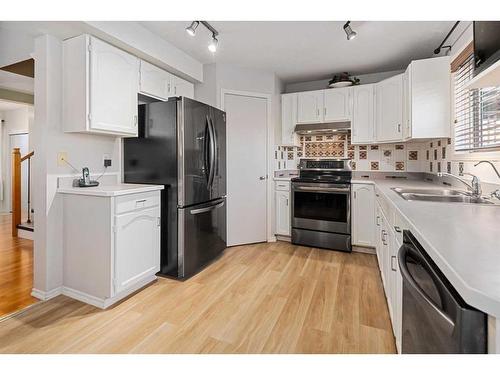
(462, 239)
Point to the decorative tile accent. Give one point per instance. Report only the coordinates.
(431, 144)
(443, 153)
(427, 155)
(439, 143)
(400, 165)
(362, 154)
(439, 166)
(364, 148)
(412, 155)
(449, 141)
(301, 138)
(319, 138)
(329, 137)
(461, 169)
(374, 165)
(430, 166)
(448, 167)
(400, 147)
(299, 154)
(435, 154)
(387, 153)
(290, 155)
(351, 147)
(374, 147)
(308, 138)
(350, 154)
(353, 165)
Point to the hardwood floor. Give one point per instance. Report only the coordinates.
(16, 270)
(263, 298)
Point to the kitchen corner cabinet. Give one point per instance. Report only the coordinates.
(283, 212)
(182, 87)
(363, 215)
(389, 110)
(363, 121)
(289, 119)
(100, 85)
(111, 245)
(158, 83)
(428, 98)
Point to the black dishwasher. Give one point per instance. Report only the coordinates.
(435, 318)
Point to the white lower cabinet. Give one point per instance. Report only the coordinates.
(389, 239)
(111, 245)
(283, 212)
(363, 215)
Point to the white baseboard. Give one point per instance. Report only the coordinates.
(104, 303)
(26, 234)
(45, 296)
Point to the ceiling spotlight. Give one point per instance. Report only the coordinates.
(212, 47)
(349, 32)
(191, 30)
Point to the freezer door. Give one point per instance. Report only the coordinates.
(202, 235)
(196, 153)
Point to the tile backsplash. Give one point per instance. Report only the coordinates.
(381, 157)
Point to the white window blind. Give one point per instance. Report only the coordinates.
(477, 112)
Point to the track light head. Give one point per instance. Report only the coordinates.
(212, 47)
(191, 30)
(351, 34)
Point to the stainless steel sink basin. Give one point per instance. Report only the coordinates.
(440, 195)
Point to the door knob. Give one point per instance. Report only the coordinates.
(262, 178)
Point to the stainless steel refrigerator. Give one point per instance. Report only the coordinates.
(182, 145)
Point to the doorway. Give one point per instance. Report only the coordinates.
(247, 166)
(21, 141)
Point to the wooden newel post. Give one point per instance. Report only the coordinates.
(16, 190)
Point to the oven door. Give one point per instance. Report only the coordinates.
(322, 207)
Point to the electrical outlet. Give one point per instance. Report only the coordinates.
(106, 160)
(61, 157)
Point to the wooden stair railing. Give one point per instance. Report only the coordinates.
(17, 161)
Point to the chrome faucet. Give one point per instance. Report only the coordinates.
(496, 193)
(474, 186)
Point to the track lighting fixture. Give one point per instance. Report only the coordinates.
(191, 30)
(214, 43)
(351, 34)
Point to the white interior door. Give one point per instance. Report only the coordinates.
(22, 142)
(246, 168)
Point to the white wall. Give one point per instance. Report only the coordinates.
(15, 46)
(16, 121)
(323, 83)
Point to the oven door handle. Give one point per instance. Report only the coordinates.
(321, 189)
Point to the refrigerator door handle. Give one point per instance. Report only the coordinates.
(212, 153)
(206, 150)
(207, 209)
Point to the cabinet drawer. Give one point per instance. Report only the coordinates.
(127, 203)
(282, 185)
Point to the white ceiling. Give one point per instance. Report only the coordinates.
(8, 106)
(301, 51)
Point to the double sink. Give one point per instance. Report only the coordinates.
(440, 195)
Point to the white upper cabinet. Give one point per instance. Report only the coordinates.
(288, 119)
(181, 87)
(429, 98)
(363, 122)
(310, 106)
(100, 85)
(337, 104)
(154, 81)
(389, 109)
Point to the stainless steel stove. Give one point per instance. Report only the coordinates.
(321, 204)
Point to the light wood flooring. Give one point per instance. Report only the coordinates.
(262, 298)
(16, 270)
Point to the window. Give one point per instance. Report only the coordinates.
(477, 112)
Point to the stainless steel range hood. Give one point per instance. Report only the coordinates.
(335, 127)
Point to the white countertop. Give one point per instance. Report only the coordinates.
(462, 239)
(283, 178)
(110, 190)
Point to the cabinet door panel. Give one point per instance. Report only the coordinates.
(288, 118)
(154, 81)
(363, 124)
(283, 213)
(310, 107)
(182, 87)
(114, 83)
(390, 109)
(137, 247)
(337, 106)
(363, 220)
